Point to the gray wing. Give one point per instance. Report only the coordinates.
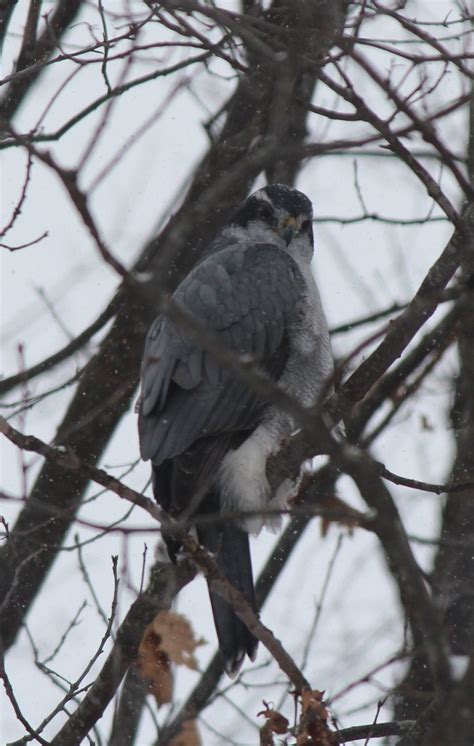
(248, 298)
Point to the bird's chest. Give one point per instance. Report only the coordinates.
(310, 322)
(310, 362)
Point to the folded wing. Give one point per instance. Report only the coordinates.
(248, 297)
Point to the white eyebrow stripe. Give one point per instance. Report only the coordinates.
(261, 194)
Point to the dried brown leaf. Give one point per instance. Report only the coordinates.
(313, 727)
(168, 639)
(154, 666)
(177, 638)
(276, 723)
(312, 699)
(336, 504)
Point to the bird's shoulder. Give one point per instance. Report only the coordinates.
(240, 278)
(247, 297)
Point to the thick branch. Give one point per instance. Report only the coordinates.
(422, 613)
(404, 328)
(64, 15)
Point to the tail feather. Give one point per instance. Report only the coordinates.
(176, 482)
(231, 547)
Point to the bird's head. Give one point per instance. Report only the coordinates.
(277, 212)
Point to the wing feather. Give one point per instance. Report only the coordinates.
(248, 296)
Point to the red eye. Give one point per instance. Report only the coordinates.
(306, 225)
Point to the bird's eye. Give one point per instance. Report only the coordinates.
(265, 212)
(306, 225)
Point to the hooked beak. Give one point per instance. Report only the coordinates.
(289, 228)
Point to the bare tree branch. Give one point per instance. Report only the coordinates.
(7, 384)
(425, 621)
(64, 15)
(166, 582)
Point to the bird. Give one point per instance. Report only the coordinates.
(207, 434)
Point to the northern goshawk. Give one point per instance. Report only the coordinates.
(207, 434)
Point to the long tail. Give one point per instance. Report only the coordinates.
(187, 475)
(232, 551)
